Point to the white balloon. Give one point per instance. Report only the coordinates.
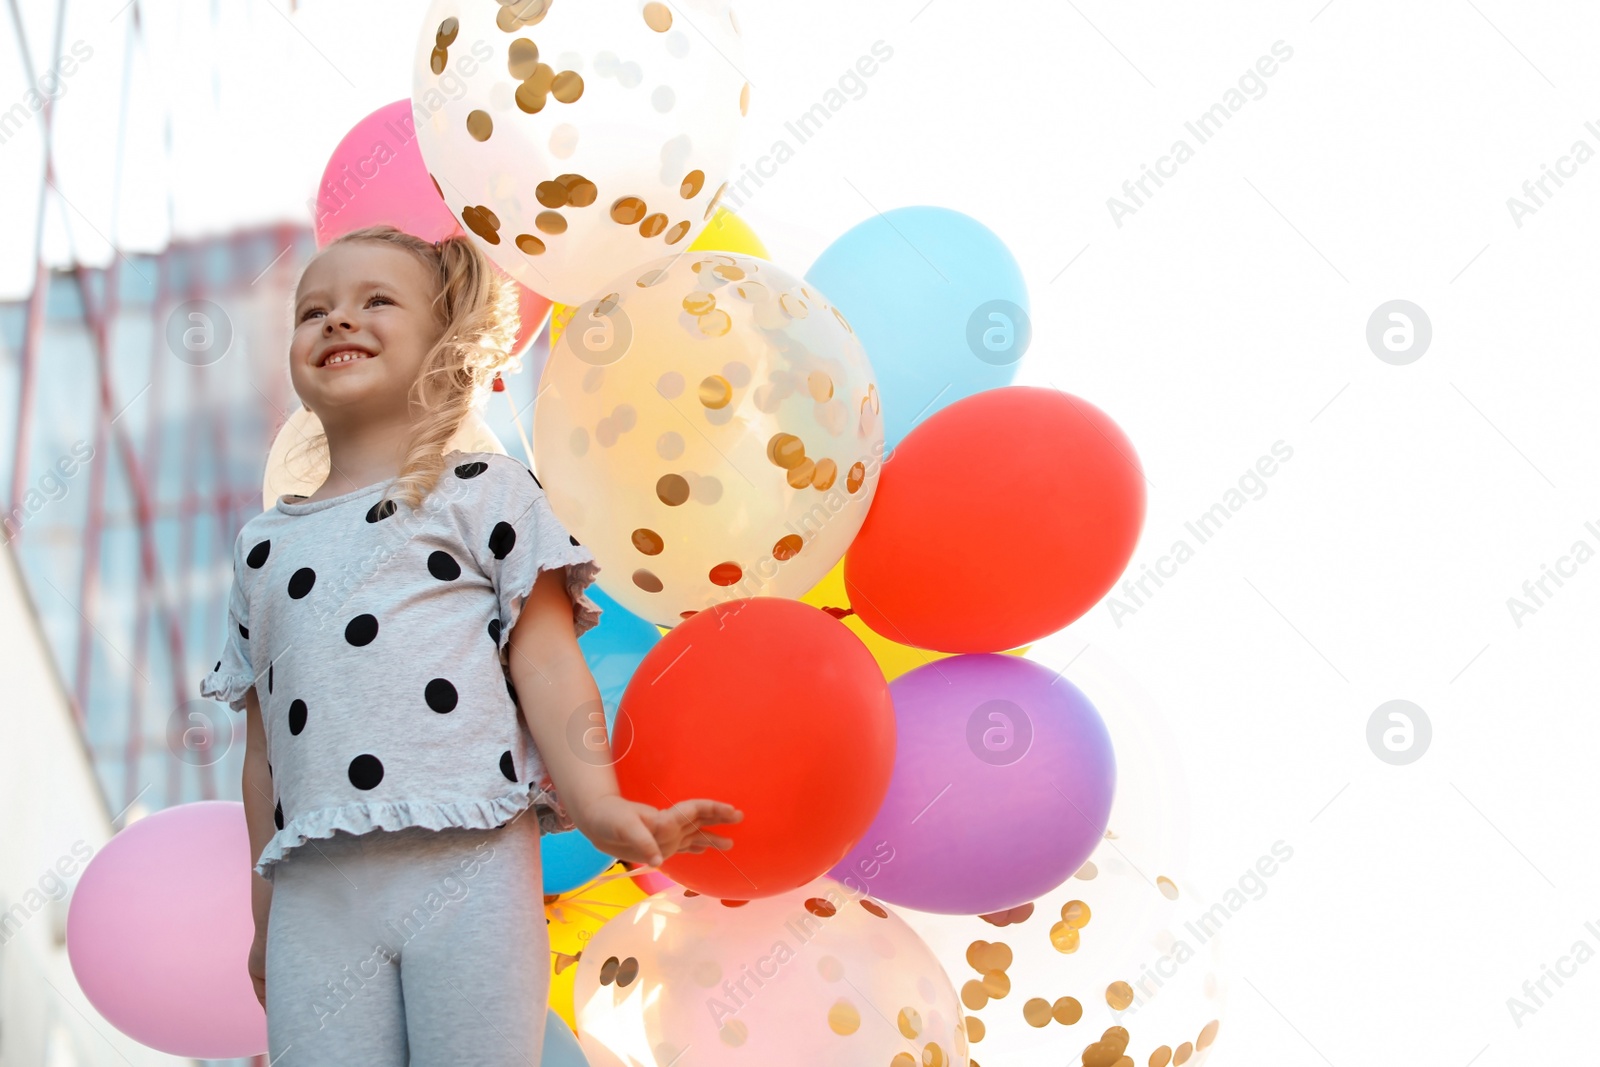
(310, 467)
(576, 140)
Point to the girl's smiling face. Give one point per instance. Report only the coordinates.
(367, 300)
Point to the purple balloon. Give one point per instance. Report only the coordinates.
(1002, 786)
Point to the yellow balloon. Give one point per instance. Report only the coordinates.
(726, 232)
(895, 659)
(574, 917)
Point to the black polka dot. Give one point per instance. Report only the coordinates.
(277, 815)
(302, 581)
(494, 633)
(366, 771)
(258, 555)
(574, 540)
(244, 633)
(269, 768)
(471, 470)
(511, 690)
(536, 480)
(443, 566)
(269, 677)
(508, 768)
(440, 695)
(501, 539)
(381, 510)
(218, 667)
(361, 630)
(297, 717)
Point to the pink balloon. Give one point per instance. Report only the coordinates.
(652, 882)
(533, 310)
(159, 932)
(377, 176)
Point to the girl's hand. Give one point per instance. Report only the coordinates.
(644, 835)
(258, 965)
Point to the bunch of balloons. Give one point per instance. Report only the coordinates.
(793, 623)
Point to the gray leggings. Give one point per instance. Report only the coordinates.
(415, 946)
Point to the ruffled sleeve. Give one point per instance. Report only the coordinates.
(233, 675)
(513, 533)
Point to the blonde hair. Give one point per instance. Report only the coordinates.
(476, 308)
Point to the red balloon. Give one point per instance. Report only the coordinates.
(997, 521)
(775, 707)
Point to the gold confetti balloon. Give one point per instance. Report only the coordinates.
(709, 427)
(822, 974)
(576, 138)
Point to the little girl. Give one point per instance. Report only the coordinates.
(382, 633)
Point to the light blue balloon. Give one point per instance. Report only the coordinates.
(613, 650)
(561, 1048)
(938, 302)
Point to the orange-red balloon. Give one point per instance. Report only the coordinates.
(998, 520)
(772, 706)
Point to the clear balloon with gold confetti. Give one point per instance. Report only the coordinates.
(574, 140)
(818, 975)
(573, 918)
(709, 427)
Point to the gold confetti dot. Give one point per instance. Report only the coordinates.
(483, 222)
(653, 225)
(446, 36)
(786, 450)
(788, 547)
(1066, 1011)
(530, 244)
(857, 477)
(628, 971)
(973, 995)
(522, 58)
(1161, 1057)
(1208, 1034)
(691, 185)
(905, 1059)
(677, 232)
(843, 1018)
(933, 1055)
(698, 303)
(733, 1032)
(873, 908)
(658, 17)
(550, 222)
(1075, 913)
(530, 97)
(480, 125)
(1036, 1012)
(996, 983)
(989, 956)
(1087, 872)
(551, 194)
(715, 391)
(715, 323)
(821, 908)
(744, 99)
(974, 1029)
(1119, 995)
(1181, 1054)
(567, 86)
(909, 1021)
(437, 60)
(1065, 938)
(647, 581)
(648, 541)
(672, 489)
(827, 472)
(1168, 888)
(725, 574)
(821, 385)
(628, 210)
(608, 970)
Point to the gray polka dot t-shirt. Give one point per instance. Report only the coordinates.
(376, 637)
